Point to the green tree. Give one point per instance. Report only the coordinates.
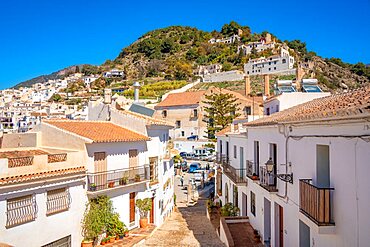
(221, 109)
(297, 45)
(230, 29)
(56, 97)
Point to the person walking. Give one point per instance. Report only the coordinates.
(182, 180)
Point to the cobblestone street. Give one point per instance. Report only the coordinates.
(187, 226)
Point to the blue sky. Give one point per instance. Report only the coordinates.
(42, 36)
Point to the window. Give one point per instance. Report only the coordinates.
(269, 69)
(182, 133)
(63, 242)
(20, 210)
(267, 111)
(153, 168)
(274, 68)
(178, 124)
(253, 203)
(234, 151)
(247, 110)
(284, 60)
(220, 147)
(195, 113)
(164, 113)
(275, 62)
(57, 201)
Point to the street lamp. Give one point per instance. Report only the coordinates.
(284, 177)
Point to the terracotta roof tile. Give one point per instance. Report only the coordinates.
(353, 103)
(149, 120)
(41, 175)
(179, 99)
(98, 131)
(21, 153)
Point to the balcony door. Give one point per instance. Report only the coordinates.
(241, 160)
(100, 165)
(273, 156)
(322, 166)
(256, 157)
(227, 150)
(133, 162)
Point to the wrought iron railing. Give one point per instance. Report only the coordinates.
(236, 175)
(53, 158)
(20, 210)
(120, 177)
(267, 180)
(315, 202)
(222, 159)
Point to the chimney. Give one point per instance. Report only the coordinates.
(136, 86)
(267, 84)
(107, 95)
(299, 77)
(247, 86)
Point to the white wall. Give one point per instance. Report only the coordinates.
(45, 229)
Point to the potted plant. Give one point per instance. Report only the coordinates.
(126, 233)
(111, 184)
(111, 239)
(92, 187)
(93, 224)
(87, 243)
(144, 206)
(123, 180)
(254, 176)
(137, 178)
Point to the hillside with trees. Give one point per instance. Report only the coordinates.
(172, 53)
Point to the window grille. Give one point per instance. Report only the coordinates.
(58, 200)
(63, 242)
(20, 210)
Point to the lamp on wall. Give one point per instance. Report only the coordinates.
(284, 177)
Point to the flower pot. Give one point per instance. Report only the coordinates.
(111, 184)
(126, 234)
(144, 223)
(86, 243)
(92, 188)
(111, 240)
(122, 182)
(102, 243)
(137, 179)
(117, 237)
(121, 236)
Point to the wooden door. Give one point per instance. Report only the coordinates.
(152, 212)
(100, 166)
(132, 207)
(133, 158)
(281, 226)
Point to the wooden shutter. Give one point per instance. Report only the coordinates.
(132, 207)
(100, 165)
(133, 158)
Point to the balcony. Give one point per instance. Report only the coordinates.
(99, 181)
(238, 176)
(267, 180)
(252, 175)
(315, 202)
(222, 159)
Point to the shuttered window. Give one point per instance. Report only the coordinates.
(57, 201)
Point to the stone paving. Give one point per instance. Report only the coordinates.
(187, 226)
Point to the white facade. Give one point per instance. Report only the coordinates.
(282, 63)
(286, 100)
(258, 46)
(298, 149)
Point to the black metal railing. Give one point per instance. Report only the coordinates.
(222, 159)
(121, 177)
(267, 180)
(236, 175)
(316, 202)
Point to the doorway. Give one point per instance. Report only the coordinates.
(244, 210)
(132, 207)
(152, 212)
(304, 235)
(273, 156)
(267, 222)
(241, 157)
(100, 167)
(279, 225)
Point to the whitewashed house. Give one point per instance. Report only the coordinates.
(301, 175)
(42, 191)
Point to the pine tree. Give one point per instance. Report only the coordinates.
(221, 109)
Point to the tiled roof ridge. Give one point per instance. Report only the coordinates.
(338, 104)
(39, 175)
(148, 119)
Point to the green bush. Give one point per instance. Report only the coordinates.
(229, 210)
